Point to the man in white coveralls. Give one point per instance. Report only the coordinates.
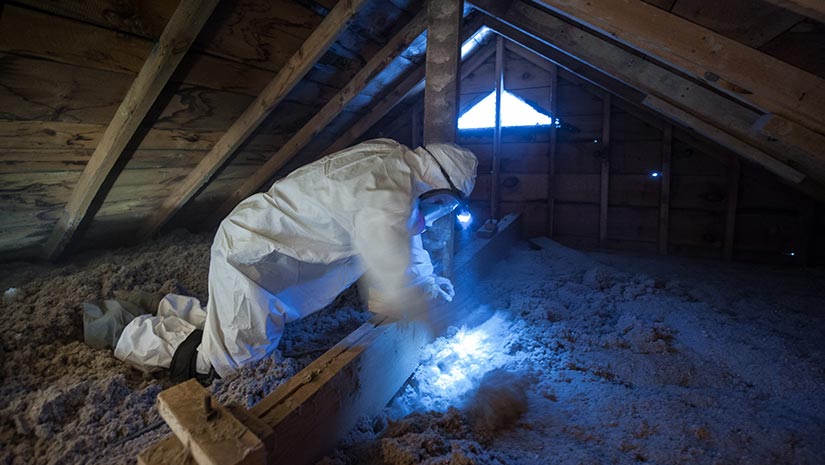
(288, 252)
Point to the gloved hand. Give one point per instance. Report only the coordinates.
(442, 288)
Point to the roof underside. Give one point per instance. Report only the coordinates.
(65, 67)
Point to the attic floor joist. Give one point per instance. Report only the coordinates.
(287, 78)
(634, 78)
(177, 37)
(322, 402)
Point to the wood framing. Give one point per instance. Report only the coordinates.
(174, 42)
(287, 78)
(325, 115)
(357, 377)
(605, 168)
(443, 62)
(735, 174)
(551, 152)
(495, 168)
(742, 72)
(664, 192)
(634, 78)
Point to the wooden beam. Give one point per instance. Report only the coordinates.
(443, 62)
(664, 192)
(356, 378)
(724, 139)
(814, 9)
(441, 100)
(735, 175)
(605, 168)
(551, 152)
(407, 86)
(741, 72)
(776, 127)
(212, 434)
(325, 115)
(177, 37)
(499, 86)
(416, 120)
(633, 78)
(287, 78)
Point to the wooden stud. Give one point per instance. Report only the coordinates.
(733, 68)
(443, 61)
(807, 225)
(301, 62)
(551, 154)
(664, 193)
(441, 93)
(735, 175)
(415, 126)
(604, 144)
(177, 37)
(499, 86)
(325, 115)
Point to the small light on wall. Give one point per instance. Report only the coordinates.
(791, 254)
(654, 174)
(595, 141)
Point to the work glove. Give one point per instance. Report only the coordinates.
(442, 288)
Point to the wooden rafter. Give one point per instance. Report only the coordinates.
(409, 84)
(633, 78)
(287, 78)
(332, 109)
(814, 9)
(744, 73)
(181, 30)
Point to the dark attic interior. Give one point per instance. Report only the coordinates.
(401, 232)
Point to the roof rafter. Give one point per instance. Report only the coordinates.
(744, 73)
(181, 30)
(287, 78)
(332, 109)
(606, 64)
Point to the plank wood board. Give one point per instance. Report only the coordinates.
(325, 115)
(358, 376)
(729, 66)
(177, 37)
(631, 77)
(277, 89)
(811, 8)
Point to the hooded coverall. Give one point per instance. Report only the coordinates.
(288, 252)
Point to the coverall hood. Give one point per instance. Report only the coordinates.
(459, 163)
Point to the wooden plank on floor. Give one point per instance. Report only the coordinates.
(358, 376)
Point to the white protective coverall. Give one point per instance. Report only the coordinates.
(288, 252)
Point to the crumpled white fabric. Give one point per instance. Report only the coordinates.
(148, 342)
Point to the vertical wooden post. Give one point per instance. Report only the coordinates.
(664, 192)
(807, 226)
(733, 202)
(415, 126)
(441, 94)
(499, 74)
(551, 162)
(605, 174)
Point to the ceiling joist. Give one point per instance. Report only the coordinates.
(814, 9)
(287, 78)
(181, 30)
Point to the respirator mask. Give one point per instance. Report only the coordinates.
(438, 203)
